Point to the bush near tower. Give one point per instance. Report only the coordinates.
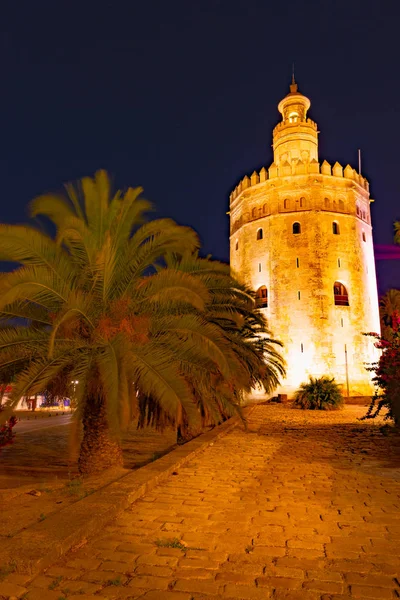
(320, 393)
(387, 373)
(387, 369)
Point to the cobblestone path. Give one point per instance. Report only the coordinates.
(303, 506)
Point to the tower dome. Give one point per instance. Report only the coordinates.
(294, 106)
(295, 137)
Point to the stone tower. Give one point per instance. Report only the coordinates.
(301, 236)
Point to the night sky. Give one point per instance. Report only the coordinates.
(181, 97)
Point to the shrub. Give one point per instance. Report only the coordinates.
(387, 373)
(320, 393)
(6, 431)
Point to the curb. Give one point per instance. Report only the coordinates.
(40, 545)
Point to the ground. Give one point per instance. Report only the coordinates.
(40, 461)
(301, 506)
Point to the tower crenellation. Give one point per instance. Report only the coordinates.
(301, 233)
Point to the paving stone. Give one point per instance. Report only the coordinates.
(153, 570)
(159, 595)
(64, 572)
(11, 590)
(324, 586)
(39, 594)
(376, 593)
(288, 583)
(190, 585)
(242, 592)
(150, 582)
(84, 563)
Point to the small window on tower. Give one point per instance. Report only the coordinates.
(259, 267)
(363, 237)
(237, 246)
(254, 213)
(265, 208)
(293, 116)
(327, 203)
(302, 202)
(296, 228)
(297, 263)
(286, 203)
(262, 297)
(358, 210)
(338, 262)
(335, 228)
(341, 205)
(340, 294)
(259, 234)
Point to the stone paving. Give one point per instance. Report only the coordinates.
(302, 506)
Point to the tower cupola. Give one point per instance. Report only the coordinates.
(295, 137)
(294, 106)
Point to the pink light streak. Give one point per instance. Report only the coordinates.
(387, 252)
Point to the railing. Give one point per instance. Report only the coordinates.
(341, 300)
(262, 302)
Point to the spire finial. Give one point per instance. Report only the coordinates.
(293, 86)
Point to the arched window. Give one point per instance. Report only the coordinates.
(335, 228)
(363, 237)
(254, 213)
(341, 205)
(296, 228)
(340, 294)
(237, 246)
(326, 203)
(259, 234)
(302, 202)
(265, 209)
(286, 203)
(262, 297)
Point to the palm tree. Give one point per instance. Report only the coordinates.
(389, 305)
(92, 305)
(397, 232)
(247, 345)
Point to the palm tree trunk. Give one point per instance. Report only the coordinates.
(98, 451)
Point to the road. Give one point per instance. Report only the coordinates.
(41, 423)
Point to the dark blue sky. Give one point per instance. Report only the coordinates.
(180, 97)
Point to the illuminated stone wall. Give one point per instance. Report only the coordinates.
(299, 270)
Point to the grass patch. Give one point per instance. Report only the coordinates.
(171, 543)
(6, 570)
(55, 582)
(117, 581)
(175, 543)
(74, 487)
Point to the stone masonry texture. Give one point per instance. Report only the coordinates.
(301, 506)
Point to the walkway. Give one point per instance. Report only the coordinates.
(304, 506)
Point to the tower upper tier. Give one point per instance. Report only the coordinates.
(295, 137)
